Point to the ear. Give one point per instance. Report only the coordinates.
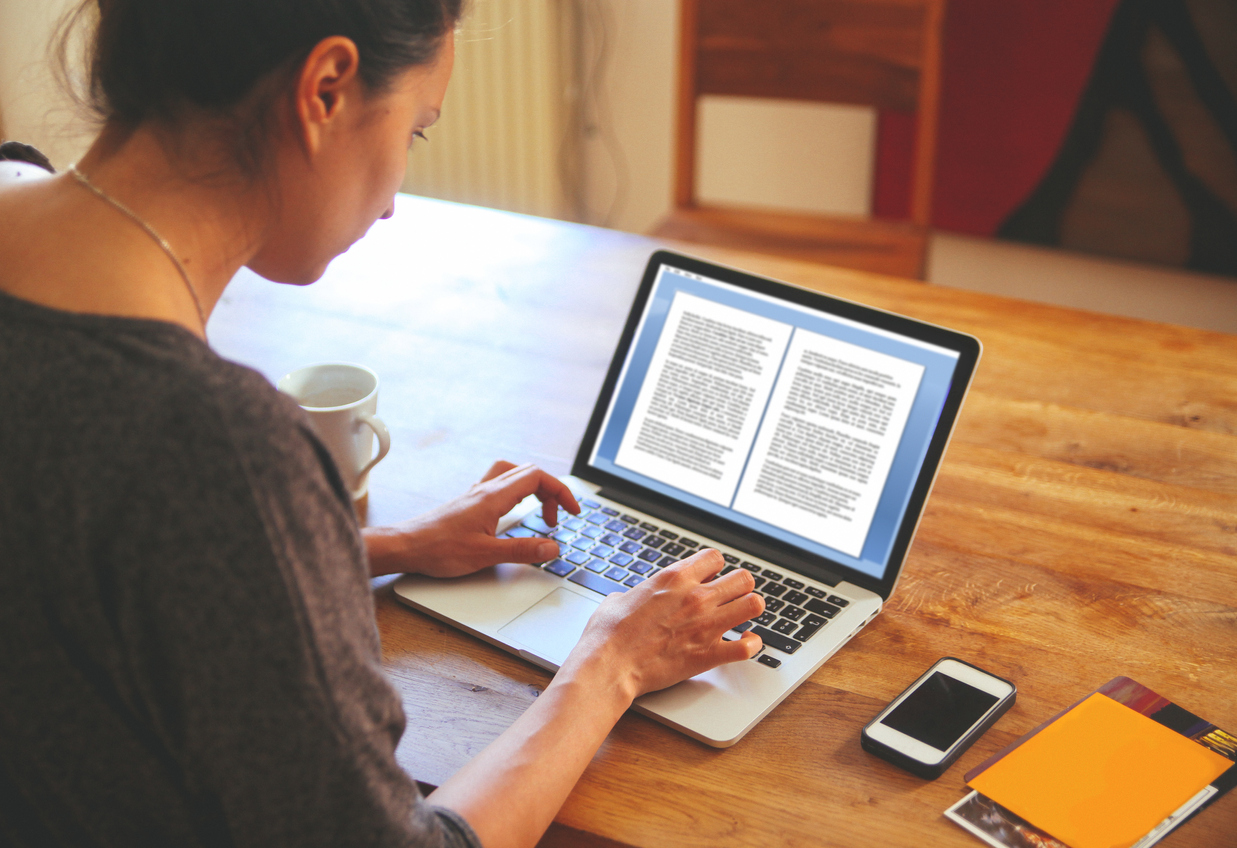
(327, 83)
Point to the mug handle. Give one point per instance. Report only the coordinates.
(384, 440)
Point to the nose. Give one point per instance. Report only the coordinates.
(390, 211)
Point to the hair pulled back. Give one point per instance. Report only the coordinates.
(150, 58)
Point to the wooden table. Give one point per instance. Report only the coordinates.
(1084, 524)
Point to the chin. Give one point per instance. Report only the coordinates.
(292, 276)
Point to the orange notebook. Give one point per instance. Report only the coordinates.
(1101, 775)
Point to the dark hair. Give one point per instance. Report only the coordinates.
(151, 57)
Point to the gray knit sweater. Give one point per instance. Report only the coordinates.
(188, 654)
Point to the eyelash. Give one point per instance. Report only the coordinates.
(418, 134)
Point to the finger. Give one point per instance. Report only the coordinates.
(552, 492)
(702, 565)
(500, 467)
(552, 488)
(733, 585)
(524, 550)
(744, 648)
(513, 485)
(741, 609)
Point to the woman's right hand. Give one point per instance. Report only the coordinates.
(670, 627)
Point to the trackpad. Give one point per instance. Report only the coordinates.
(551, 627)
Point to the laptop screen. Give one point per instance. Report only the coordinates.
(804, 420)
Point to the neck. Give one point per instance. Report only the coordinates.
(206, 211)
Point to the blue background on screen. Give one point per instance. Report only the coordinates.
(926, 409)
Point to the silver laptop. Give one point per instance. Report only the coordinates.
(797, 433)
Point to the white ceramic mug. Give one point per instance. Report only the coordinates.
(340, 400)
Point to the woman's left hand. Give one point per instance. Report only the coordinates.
(458, 538)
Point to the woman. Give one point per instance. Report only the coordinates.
(187, 645)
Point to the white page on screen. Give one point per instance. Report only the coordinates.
(828, 439)
(707, 385)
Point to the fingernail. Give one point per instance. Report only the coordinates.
(547, 549)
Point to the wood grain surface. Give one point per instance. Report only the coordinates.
(1084, 524)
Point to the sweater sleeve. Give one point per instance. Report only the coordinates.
(246, 618)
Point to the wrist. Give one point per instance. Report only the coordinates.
(599, 671)
(391, 550)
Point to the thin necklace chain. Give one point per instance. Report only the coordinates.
(150, 231)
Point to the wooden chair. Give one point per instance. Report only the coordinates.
(880, 53)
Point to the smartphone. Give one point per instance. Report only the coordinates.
(926, 728)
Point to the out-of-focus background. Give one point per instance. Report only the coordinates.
(566, 109)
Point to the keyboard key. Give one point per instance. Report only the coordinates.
(597, 517)
(814, 592)
(615, 526)
(726, 570)
(534, 523)
(564, 535)
(593, 532)
(796, 598)
(742, 628)
(771, 574)
(813, 621)
(794, 584)
(765, 617)
(774, 590)
(640, 567)
(630, 547)
(654, 541)
(578, 557)
(750, 566)
(648, 555)
(772, 640)
(635, 533)
(793, 613)
(650, 528)
(759, 581)
(596, 582)
(611, 539)
(630, 519)
(574, 523)
(621, 559)
(668, 561)
(674, 549)
(773, 604)
(590, 504)
(731, 558)
(785, 627)
(619, 574)
(822, 608)
(609, 510)
(582, 542)
(561, 568)
(596, 565)
(633, 581)
(771, 662)
(603, 551)
(806, 632)
(519, 533)
(669, 535)
(688, 543)
(841, 602)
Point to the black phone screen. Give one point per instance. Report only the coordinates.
(939, 711)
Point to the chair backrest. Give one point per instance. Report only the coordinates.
(880, 53)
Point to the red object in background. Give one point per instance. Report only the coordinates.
(1014, 71)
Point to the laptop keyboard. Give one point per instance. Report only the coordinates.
(607, 550)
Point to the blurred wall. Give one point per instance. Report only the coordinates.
(745, 145)
(34, 108)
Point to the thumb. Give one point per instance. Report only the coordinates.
(532, 549)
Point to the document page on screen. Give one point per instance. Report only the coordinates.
(774, 421)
